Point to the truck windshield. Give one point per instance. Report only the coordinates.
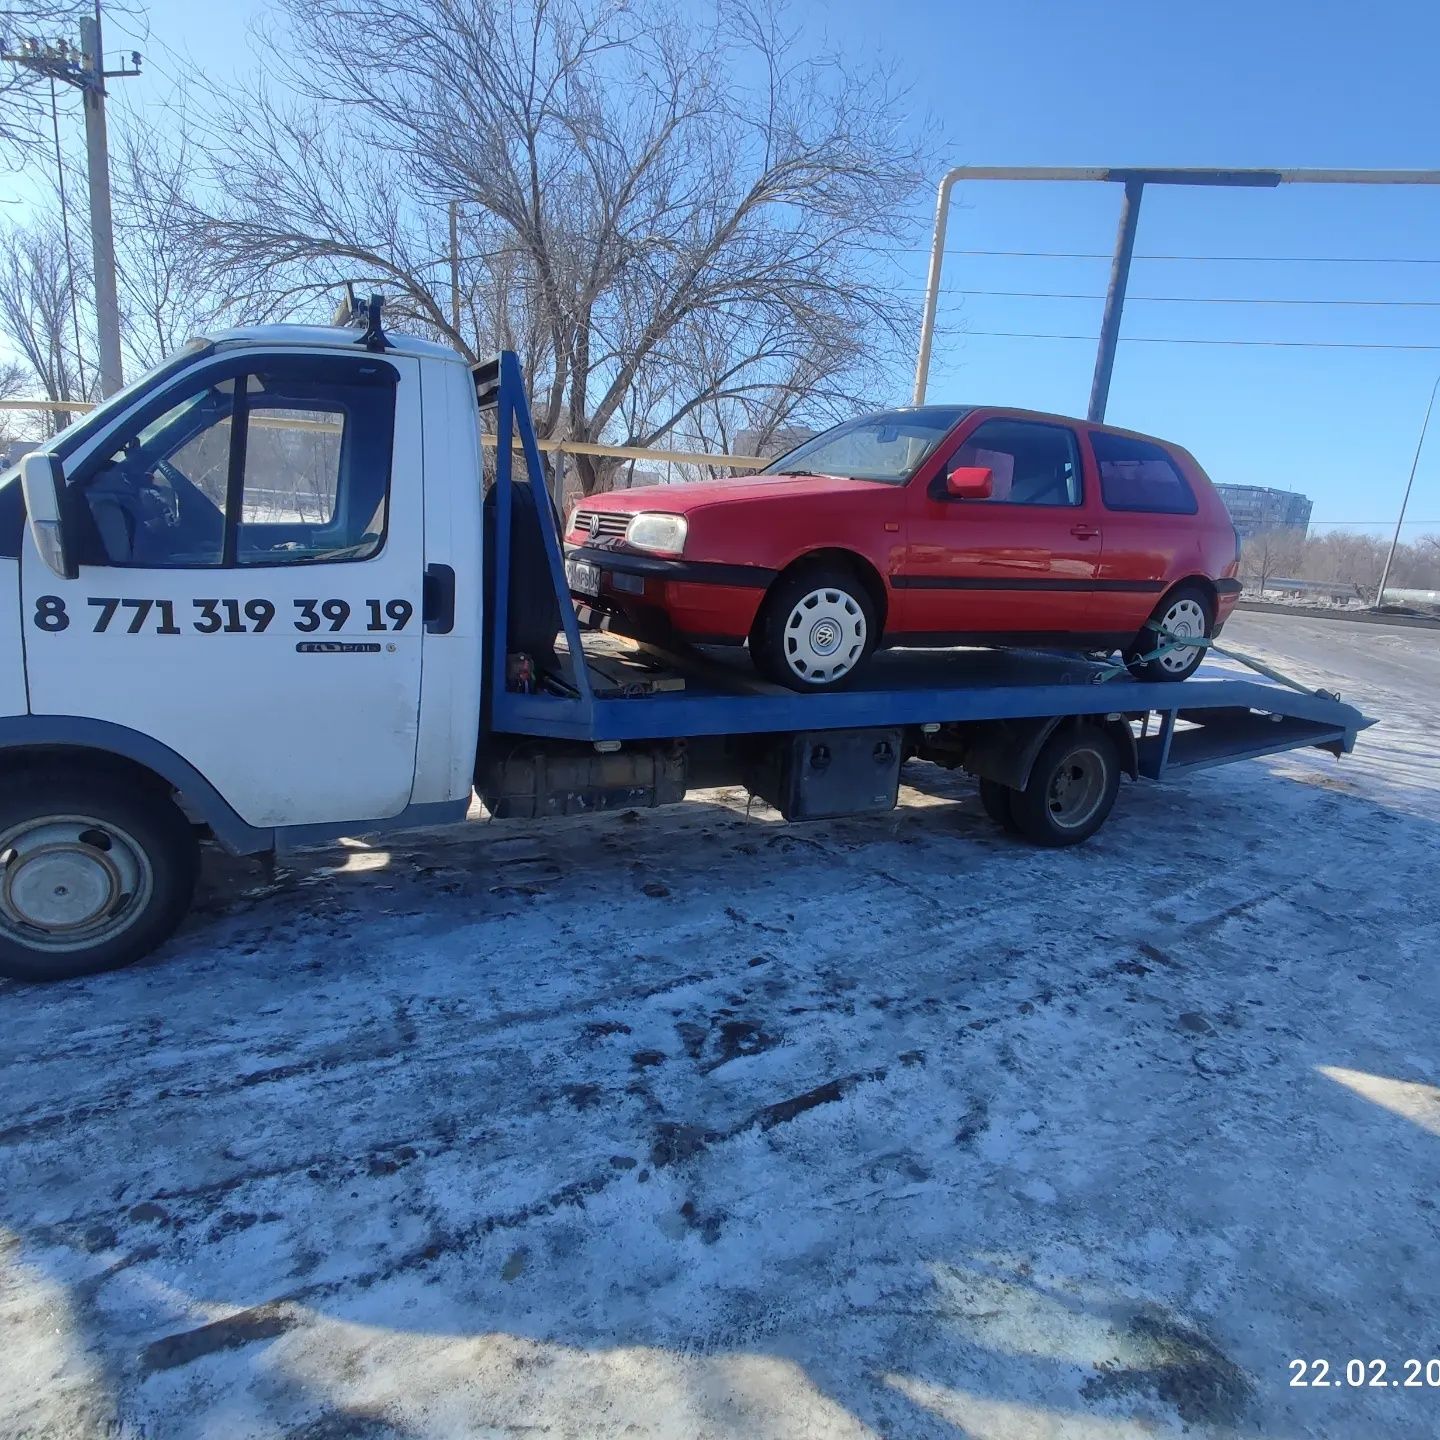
(888, 446)
(92, 422)
(79, 431)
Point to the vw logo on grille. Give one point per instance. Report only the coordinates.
(594, 523)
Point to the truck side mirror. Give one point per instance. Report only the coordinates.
(43, 480)
(971, 482)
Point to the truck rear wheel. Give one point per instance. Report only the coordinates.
(995, 801)
(1072, 787)
(95, 872)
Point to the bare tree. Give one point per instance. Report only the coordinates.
(1268, 553)
(666, 214)
(1346, 559)
(15, 384)
(37, 312)
(165, 272)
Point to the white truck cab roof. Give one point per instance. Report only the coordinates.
(338, 337)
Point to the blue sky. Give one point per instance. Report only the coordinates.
(1116, 82)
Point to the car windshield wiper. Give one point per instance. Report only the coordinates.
(812, 473)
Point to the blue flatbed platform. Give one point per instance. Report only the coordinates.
(1207, 720)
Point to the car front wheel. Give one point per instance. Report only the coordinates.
(816, 629)
(1186, 612)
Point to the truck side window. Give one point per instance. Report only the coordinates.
(316, 475)
(285, 462)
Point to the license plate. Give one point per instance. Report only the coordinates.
(583, 577)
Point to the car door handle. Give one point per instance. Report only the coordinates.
(1084, 532)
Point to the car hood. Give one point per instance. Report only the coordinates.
(682, 499)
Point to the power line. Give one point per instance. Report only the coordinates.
(1187, 299)
(1237, 259)
(1179, 340)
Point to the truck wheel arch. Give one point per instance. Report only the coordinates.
(118, 750)
(1005, 750)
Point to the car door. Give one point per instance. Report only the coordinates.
(250, 585)
(1150, 526)
(1019, 565)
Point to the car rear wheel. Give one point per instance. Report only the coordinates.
(1186, 611)
(816, 629)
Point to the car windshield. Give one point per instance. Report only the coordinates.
(888, 446)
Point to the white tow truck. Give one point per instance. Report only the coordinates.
(262, 596)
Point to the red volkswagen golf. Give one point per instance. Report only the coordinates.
(938, 525)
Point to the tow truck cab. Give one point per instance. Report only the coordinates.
(262, 534)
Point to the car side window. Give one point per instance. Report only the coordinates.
(1139, 475)
(280, 463)
(1031, 463)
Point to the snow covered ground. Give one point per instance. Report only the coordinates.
(690, 1124)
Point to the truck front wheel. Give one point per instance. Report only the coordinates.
(95, 871)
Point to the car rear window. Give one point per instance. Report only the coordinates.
(1139, 475)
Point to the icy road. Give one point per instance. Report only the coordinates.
(692, 1125)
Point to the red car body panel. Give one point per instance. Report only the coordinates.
(947, 571)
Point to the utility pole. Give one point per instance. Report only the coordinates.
(85, 70)
(1115, 299)
(1414, 466)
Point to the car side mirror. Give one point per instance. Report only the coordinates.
(971, 482)
(43, 480)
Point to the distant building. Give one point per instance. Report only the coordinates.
(1254, 508)
(776, 442)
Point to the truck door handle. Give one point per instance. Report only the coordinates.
(438, 599)
(1084, 532)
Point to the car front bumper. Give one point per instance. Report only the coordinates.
(702, 601)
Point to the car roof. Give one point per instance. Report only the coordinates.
(1052, 418)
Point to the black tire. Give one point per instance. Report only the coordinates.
(786, 654)
(95, 872)
(995, 801)
(1177, 665)
(1072, 787)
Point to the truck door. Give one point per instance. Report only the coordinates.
(250, 581)
(1022, 563)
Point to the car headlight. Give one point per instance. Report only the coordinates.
(660, 534)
